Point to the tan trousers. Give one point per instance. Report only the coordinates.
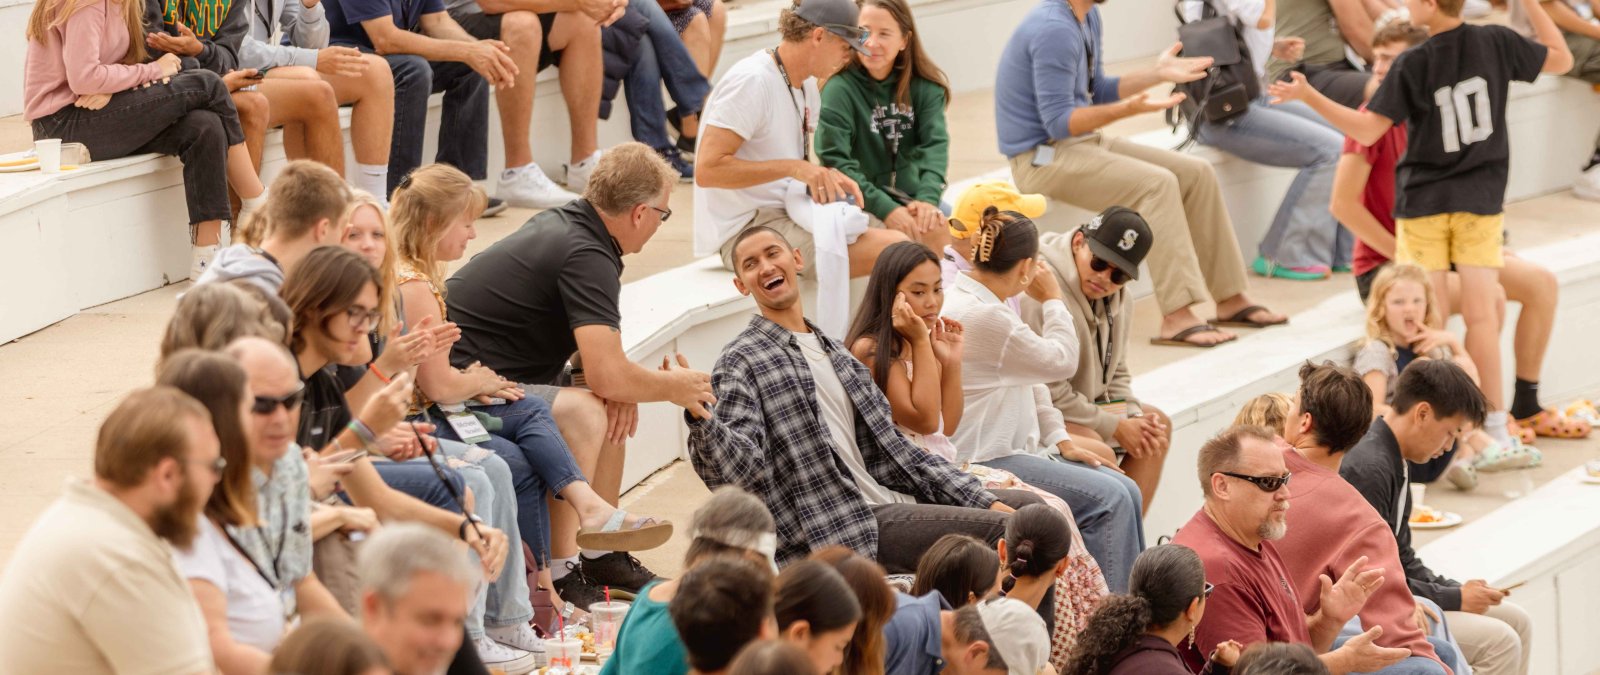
(1498, 642)
(1195, 257)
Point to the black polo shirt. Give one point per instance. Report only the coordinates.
(519, 301)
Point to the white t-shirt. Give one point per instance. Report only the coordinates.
(753, 101)
(839, 416)
(1519, 19)
(255, 610)
(1247, 13)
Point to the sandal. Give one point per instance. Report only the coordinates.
(1497, 457)
(1519, 432)
(1181, 339)
(1241, 319)
(1461, 476)
(1584, 410)
(1551, 424)
(646, 534)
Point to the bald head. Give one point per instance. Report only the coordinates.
(274, 380)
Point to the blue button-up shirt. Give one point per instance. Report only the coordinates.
(912, 635)
(1045, 75)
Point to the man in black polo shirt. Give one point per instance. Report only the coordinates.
(529, 302)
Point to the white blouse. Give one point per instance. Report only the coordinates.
(1005, 368)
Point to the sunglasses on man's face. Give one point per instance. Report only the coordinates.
(1118, 276)
(266, 405)
(1266, 483)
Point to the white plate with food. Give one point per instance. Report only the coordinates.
(1428, 518)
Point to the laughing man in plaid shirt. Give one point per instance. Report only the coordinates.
(799, 423)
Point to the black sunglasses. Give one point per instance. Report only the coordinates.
(265, 405)
(665, 213)
(1207, 592)
(1266, 483)
(1118, 276)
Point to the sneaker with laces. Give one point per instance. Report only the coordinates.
(684, 168)
(578, 590)
(517, 636)
(617, 570)
(578, 174)
(495, 655)
(200, 260)
(527, 187)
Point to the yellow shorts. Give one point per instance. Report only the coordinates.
(1435, 242)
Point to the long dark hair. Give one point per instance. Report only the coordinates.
(812, 591)
(875, 319)
(957, 566)
(913, 62)
(1004, 240)
(218, 382)
(865, 653)
(325, 283)
(1038, 538)
(1165, 580)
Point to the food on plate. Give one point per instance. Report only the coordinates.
(1426, 514)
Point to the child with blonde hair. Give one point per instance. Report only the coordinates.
(1269, 410)
(1404, 324)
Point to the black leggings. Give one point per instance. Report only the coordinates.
(192, 117)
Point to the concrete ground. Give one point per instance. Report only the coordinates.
(60, 382)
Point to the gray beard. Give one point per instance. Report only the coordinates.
(1272, 531)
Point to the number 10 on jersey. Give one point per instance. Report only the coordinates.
(1464, 109)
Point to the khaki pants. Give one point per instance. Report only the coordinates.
(1498, 642)
(1195, 257)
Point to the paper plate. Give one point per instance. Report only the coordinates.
(1447, 519)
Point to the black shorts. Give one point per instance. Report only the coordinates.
(1364, 280)
(487, 27)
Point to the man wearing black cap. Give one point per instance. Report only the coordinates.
(755, 141)
(1093, 264)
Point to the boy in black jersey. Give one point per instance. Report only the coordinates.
(1451, 93)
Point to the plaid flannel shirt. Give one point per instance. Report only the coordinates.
(767, 436)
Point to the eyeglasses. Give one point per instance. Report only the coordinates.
(1207, 592)
(1266, 483)
(216, 466)
(362, 318)
(1118, 276)
(665, 213)
(265, 405)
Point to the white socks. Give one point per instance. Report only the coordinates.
(558, 567)
(594, 555)
(1494, 424)
(373, 179)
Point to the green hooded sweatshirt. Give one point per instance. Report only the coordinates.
(859, 124)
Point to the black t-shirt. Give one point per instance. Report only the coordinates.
(1451, 93)
(324, 413)
(518, 302)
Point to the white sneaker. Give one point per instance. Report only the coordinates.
(496, 655)
(1588, 184)
(527, 187)
(200, 260)
(519, 636)
(578, 174)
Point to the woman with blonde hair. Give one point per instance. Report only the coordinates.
(88, 79)
(1269, 410)
(432, 216)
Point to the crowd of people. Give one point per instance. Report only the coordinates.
(361, 454)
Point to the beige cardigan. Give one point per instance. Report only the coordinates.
(1075, 397)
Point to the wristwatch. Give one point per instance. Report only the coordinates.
(471, 518)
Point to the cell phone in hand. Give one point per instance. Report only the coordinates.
(262, 72)
(344, 457)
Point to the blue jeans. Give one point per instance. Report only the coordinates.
(1104, 503)
(1411, 665)
(465, 120)
(418, 480)
(662, 58)
(1303, 232)
(539, 459)
(504, 602)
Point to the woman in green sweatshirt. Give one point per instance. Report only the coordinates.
(882, 124)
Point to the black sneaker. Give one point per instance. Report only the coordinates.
(684, 168)
(617, 570)
(577, 590)
(685, 143)
(496, 205)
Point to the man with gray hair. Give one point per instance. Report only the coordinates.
(552, 288)
(1245, 481)
(416, 587)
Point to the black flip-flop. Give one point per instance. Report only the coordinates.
(1241, 319)
(1180, 341)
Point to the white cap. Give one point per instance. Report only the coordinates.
(1017, 632)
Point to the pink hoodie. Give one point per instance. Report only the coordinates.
(81, 57)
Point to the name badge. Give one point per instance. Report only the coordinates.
(1118, 407)
(467, 427)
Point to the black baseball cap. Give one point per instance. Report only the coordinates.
(1120, 236)
(840, 17)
